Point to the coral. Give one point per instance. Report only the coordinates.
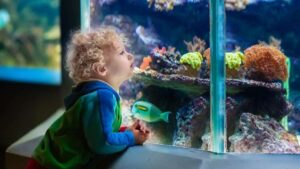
(146, 63)
(266, 63)
(165, 60)
(191, 123)
(234, 60)
(206, 55)
(196, 45)
(257, 134)
(162, 5)
(193, 59)
(272, 42)
(236, 4)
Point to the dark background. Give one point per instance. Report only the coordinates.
(24, 106)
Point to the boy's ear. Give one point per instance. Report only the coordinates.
(101, 70)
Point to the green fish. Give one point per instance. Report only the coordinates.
(149, 112)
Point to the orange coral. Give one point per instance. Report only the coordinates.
(206, 55)
(146, 63)
(265, 62)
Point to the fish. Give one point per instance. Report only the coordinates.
(4, 18)
(148, 112)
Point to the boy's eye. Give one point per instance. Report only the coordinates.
(122, 52)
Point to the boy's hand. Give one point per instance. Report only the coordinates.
(138, 125)
(139, 136)
(140, 132)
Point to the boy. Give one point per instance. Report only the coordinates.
(98, 64)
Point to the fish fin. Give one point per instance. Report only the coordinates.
(165, 116)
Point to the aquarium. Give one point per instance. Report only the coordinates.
(172, 89)
(30, 41)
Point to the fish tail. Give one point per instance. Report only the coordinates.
(165, 116)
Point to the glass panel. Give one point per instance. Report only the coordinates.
(170, 90)
(262, 66)
(30, 41)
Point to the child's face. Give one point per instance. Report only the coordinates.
(120, 62)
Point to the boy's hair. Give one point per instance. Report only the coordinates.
(85, 51)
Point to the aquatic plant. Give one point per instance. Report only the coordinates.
(193, 59)
(264, 62)
(196, 45)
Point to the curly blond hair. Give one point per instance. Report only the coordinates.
(86, 51)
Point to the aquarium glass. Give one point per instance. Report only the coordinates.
(170, 89)
(30, 41)
(262, 67)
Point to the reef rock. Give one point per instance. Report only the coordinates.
(257, 134)
(191, 120)
(198, 85)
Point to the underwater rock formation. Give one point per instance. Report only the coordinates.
(265, 63)
(257, 134)
(198, 85)
(191, 120)
(232, 115)
(266, 102)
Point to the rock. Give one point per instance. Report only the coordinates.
(191, 123)
(264, 102)
(199, 86)
(257, 134)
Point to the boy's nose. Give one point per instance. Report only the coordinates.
(130, 57)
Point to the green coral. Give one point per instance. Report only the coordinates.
(233, 60)
(194, 59)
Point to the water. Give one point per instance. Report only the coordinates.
(255, 100)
